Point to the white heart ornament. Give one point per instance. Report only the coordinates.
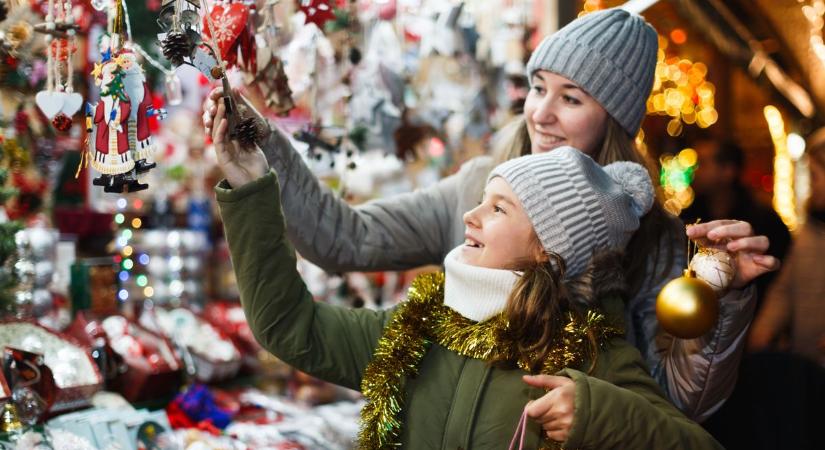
(50, 102)
(71, 103)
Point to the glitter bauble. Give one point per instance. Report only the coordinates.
(715, 267)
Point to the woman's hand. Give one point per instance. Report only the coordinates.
(239, 166)
(736, 237)
(554, 410)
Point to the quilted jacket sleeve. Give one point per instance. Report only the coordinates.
(396, 233)
(621, 407)
(331, 343)
(698, 374)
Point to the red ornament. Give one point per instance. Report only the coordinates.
(231, 32)
(62, 122)
(318, 12)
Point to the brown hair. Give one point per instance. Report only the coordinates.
(543, 302)
(536, 312)
(657, 229)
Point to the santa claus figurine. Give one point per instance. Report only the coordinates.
(110, 124)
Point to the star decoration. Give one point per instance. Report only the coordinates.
(97, 70)
(318, 12)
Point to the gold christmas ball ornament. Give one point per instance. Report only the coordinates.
(715, 267)
(687, 307)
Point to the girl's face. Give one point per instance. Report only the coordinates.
(558, 112)
(498, 233)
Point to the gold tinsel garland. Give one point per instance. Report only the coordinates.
(424, 319)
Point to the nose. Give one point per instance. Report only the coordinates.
(471, 217)
(545, 111)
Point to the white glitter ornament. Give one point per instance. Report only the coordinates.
(715, 267)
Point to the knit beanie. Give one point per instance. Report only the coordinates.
(611, 54)
(576, 206)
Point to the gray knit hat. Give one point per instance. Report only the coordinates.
(576, 206)
(611, 54)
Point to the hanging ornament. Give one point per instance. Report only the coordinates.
(120, 143)
(270, 77)
(311, 136)
(274, 86)
(176, 17)
(62, 122)
(177, 46)
(244, 126)
(714, 267)
(174, 92)
(58, 102)
(134, 82)
(182, 42)
(687, 307)
(232, 35)
(318, 12)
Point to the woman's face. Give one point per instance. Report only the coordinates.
(498, 233)
(558, 113)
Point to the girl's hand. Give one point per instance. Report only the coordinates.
(239, 166)
(554, 410)
(737, 237)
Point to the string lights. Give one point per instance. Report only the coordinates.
(675, 178)
(128, 258)
(681, 91)
(814, 11)
(784, 201)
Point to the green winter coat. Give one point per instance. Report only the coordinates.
(455, 402)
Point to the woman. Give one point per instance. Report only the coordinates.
(589, 84)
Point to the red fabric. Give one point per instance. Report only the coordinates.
(102, 138)
(143, 121)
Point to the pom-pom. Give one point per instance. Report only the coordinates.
(635, 182)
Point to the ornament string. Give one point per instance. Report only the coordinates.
(212, 29)
(69, 19)
(50, 54)
(127, 21)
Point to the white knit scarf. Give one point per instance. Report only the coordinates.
(477, 293)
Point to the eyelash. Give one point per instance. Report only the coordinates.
(571, 100)
(568, 99)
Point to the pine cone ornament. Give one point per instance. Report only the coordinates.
(177, 46)
(249, 131)
(62, 122)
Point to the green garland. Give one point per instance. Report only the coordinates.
(424, 319)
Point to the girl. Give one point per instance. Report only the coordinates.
(589, 84)
(444, 369)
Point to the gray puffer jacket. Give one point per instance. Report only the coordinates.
(420, 228)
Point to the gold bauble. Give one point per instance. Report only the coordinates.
(687, 307)
(10, 421)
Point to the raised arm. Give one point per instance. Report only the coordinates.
(399, 232)
(699, 374)
(394, 233)
(331, 343)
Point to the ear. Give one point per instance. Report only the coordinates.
(540, 255)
